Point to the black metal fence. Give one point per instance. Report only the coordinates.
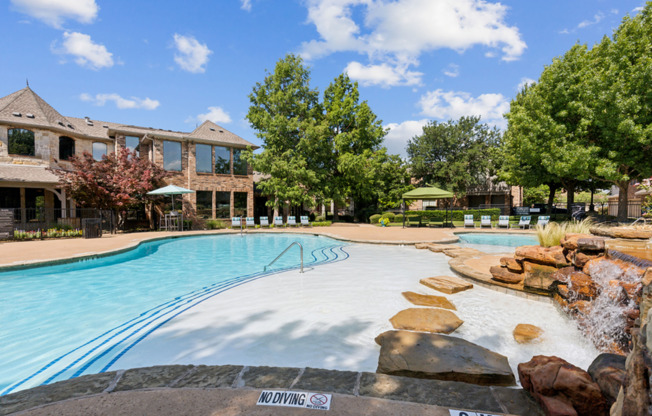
(32, 219)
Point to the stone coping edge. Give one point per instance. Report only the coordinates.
(134, 245)
(483, 279)
(502, 400)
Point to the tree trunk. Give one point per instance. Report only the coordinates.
(570, 197)
(551, 197)
(623, 200)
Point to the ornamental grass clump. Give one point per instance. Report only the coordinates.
(552, 233)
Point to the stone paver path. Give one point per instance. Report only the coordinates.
(428, 300)
(446, 284)
(427, 320)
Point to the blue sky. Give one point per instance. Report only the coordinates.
(172, 64)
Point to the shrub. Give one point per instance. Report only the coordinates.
(374, 218)
(322, 223)
(551, 234)
(215, 224)
(389, 215)
(319, 218)
(457, 215)
(398, 218)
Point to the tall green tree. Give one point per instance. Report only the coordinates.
(351, 145)
(285, 113)
(458, 155)
(619, 88)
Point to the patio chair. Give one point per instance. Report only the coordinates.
(485, 221)
(250, 222)
(543, 220)
(413, 220)
(236, 222)
(264, 221)
(524, 221)
(292, 221)
(305, 221)
(278, 222)
(503, 221)
(468, 221)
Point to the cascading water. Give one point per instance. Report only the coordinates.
(606, 318)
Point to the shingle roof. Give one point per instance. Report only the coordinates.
(27, 101)
(210, 131)
(26, 173)
(25, 107)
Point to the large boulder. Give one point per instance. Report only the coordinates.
(428, 300)
(608, 370)
(538, 277)
(582, 285)
(592, 244)
(511, 264)
(428, 320)
(552, 256)
(446, 284)
(580, 259)
(526, 333)
(569, 242)
(441, 357)
(561, 388)
(502, 274)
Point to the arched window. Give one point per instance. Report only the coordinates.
(21, 142)
(66, 148)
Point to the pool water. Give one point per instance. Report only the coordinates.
(78, 318)
(496, 243)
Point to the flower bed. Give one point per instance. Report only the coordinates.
(49, 233)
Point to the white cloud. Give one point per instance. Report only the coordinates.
(447, 105)
(637, 9)
(384, 74)
(399, 134)
(86, 53)
(406, 28)
(246, 5)
(452, 70)
(191, 55)
(54, 12)
(525, 81)
(121, 103)
(596, 19)
(214, 114)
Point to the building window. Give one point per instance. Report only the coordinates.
(172, 155)
(240, 204)
(222, 204)
(239, 164)
(21, 142)
(132, 143)
(222, 160)
(99, 150)
(66, 148)
(205, 204)
(203, 158)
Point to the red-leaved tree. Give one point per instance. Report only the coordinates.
(118, 182)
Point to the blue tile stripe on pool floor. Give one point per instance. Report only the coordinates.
(150, 317)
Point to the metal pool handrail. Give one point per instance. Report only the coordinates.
(284, 251)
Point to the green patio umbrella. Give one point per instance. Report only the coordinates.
(171, 190)
(428, 193)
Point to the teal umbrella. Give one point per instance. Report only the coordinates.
(171, 190)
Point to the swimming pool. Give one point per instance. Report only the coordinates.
(78, 318)
(495, 242)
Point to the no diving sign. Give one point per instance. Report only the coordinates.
(302, 399)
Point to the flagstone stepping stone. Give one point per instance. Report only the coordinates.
(441, 357)
(463, 252)
(429, 300)
(526, 333)
(446, 284)
(427, 320)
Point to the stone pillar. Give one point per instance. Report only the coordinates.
(64, 204)
(232, 206)
(250, 204)
(213, 204)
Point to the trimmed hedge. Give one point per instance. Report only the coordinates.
(398, 218)
(374, 218)
(389, 215)
(458, 215)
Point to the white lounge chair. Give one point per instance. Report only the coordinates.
(236, 222)
(543, 220)
(250, 222)
(305, 221)
(524, 221)
(264, 221)
(485, 221)
(292, 221)
(503, 221)
(278, 222)
(468, 221)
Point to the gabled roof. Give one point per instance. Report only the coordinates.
(209, 131)
(25, 107)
